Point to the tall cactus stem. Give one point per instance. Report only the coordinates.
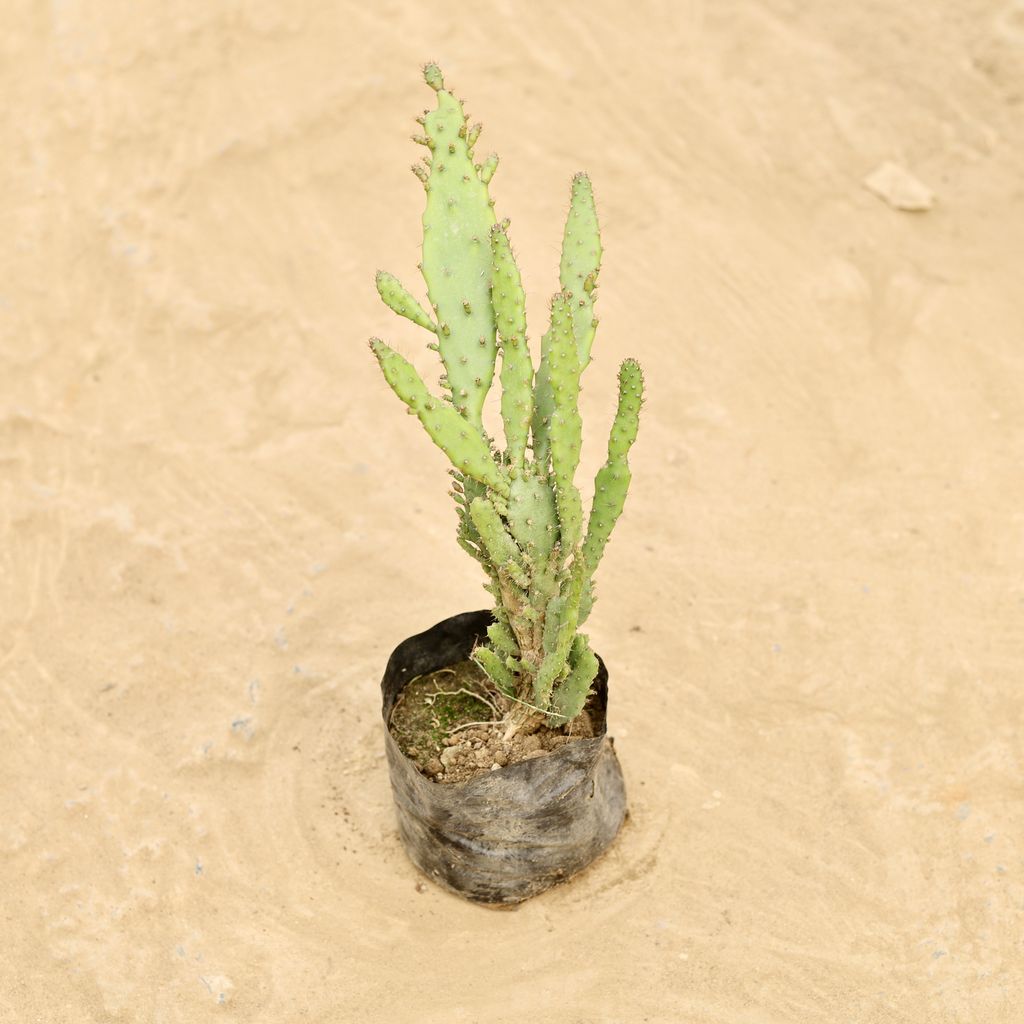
(581, 263)
(566, 426)
(509, 302)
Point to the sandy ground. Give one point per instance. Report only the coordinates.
(216, 522)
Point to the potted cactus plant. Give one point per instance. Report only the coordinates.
(521, 788)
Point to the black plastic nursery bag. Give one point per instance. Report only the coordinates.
(513, 832)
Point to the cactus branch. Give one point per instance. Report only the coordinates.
(612, 481)
(395, 295)
(581, 263)
(571, 694)
(501, 548)
(502, 639)
(462, 443)
(566, 426)
(495, 669)
(509, 303)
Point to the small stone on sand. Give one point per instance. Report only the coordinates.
(899, 188)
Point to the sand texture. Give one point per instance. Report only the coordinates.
(216, 522)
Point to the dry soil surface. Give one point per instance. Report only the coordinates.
(216, 522)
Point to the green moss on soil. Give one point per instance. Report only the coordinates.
(431, 706)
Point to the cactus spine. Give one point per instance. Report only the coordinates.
(520, 513)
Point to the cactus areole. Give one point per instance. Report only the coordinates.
(520, 514)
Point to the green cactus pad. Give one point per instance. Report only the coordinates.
(509, 302)
(432, 76)
(612, 481)
(532, 516)
(581, 263)
(395, 295)
(460, 441)
(457, 256)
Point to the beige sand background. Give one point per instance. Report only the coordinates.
(216, 522)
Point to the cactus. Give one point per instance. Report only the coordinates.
(520, 513)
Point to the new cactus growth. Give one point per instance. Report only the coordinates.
(520, 513)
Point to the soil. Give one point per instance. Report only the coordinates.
(447, 723)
